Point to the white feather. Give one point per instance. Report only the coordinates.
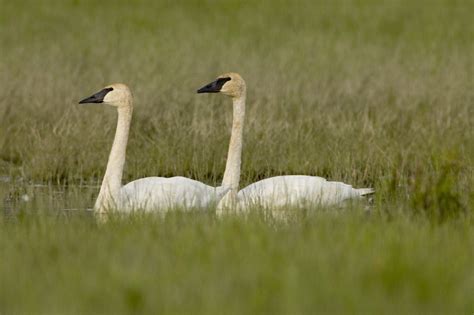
(295, 191)
(151, 193)
(274, 192)
(159, 193)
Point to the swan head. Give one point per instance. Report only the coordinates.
(230, 84)
(117, 95)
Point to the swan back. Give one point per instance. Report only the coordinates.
(295, 190)
(161, 193)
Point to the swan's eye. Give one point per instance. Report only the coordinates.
(97, 97)
(101, 95)
(214, 87)
(222, 81)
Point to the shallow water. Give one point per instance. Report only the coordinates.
(18, 198)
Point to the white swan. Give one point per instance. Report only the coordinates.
(151, 193)
(274, 192)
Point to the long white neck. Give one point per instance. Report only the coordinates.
(234, 156)
(109, 195)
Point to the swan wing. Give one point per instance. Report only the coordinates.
(161, 193)
(295, 190)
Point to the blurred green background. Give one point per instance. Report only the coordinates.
(373, 93)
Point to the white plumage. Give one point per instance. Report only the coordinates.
(159, 193)
(297, 190)
(146, 194)
(274, 192)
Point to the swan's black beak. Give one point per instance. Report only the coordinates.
(214, 87)
(97, 97)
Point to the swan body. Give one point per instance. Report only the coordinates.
(274, 192)
(155, 193)
(296, 191)
(146, 194)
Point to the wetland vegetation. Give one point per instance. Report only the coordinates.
(369, 93)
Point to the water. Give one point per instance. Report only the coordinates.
(18, 198)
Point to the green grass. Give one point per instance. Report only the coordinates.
(191, 263)
(375, 94)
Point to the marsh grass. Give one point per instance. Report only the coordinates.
(373, 94)
(192, 263)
